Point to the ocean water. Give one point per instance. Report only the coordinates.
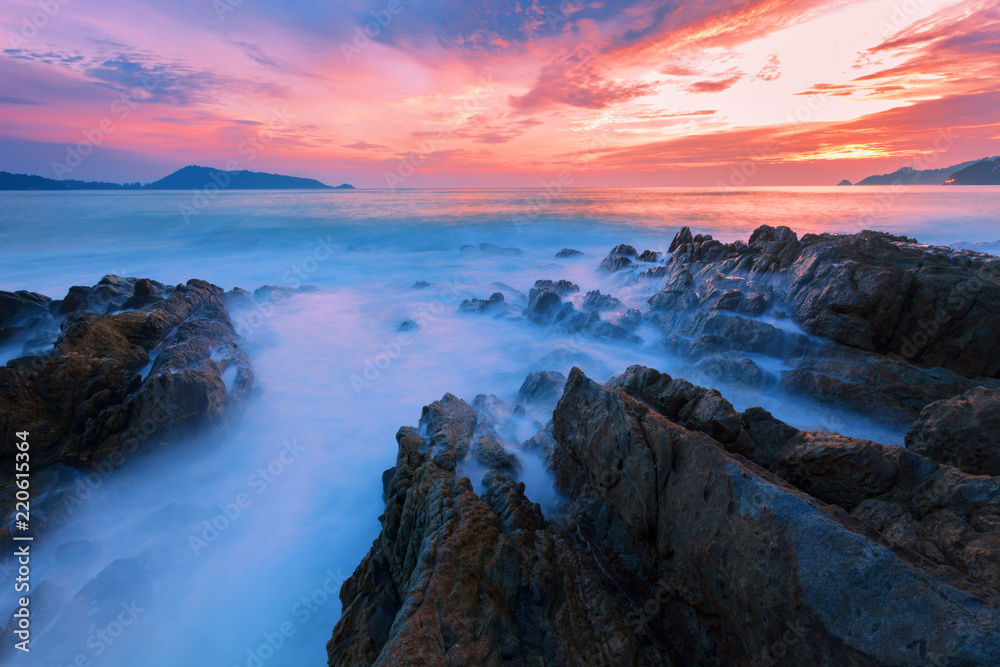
(230, 550)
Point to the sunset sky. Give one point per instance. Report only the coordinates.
(511, 93)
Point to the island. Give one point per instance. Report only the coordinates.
(187, 178)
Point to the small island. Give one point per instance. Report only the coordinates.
(187, 178)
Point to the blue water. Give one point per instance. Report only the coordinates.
(259, 590)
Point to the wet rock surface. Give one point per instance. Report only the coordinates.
(127, 365)
(691, 534)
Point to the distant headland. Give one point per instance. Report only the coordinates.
(187, 178)
(985, 171)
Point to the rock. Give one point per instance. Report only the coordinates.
(620, 257)
(743, 373)
(857, 475)
(542, 305)
(683, 237)
(560, 287)
(630, 320)
(568, 252)
(595, 301)
(275, 294)
(16, 307)
(542, 388)
(678, 294)
(613, 263)
(497, 250)
(649, 256)
(490, 453)
(670, 545)
(963, 431)
(408, 325)
(495, 305)
(421, 284)
(98, 391)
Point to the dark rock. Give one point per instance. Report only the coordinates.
(963, 431)
(683, 237)
(560, 287)
(594, 300)
(678, 294)
(497, 250)
(494, 304)
(620, 257)
(408, 325)
(89, 397)
(543, 303)
(568, 252)
(654, 272)
(670, 545)
(743, 373)
(542, 388)
(16, 307)
(649, 256)
(421, 284)
(630, 320)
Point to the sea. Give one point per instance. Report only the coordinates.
(230, 549)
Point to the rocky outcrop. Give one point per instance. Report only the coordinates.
(691, 534)
(963, 431)
(123, 378)
(870, 291)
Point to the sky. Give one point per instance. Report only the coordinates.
(510, 93)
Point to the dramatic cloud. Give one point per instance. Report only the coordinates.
(508, 92)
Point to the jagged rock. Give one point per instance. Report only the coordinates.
(654, 272)
(871, 291)
(860, 476)
(16, 307)
(620, 257)
(630, 319)
(491, 248)
(99, 390)
(671, 550)
(683, 237)
(678, 294)
(494, 304)
(421, 284)
(543, 303)
(408, 325)
(963, 431)
(490, 453)
(742, 373)
(542, 388)
(649, 256)
(568, 252)
(560, 287)
(594, 300)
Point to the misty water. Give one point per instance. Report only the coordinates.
(124, 582)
